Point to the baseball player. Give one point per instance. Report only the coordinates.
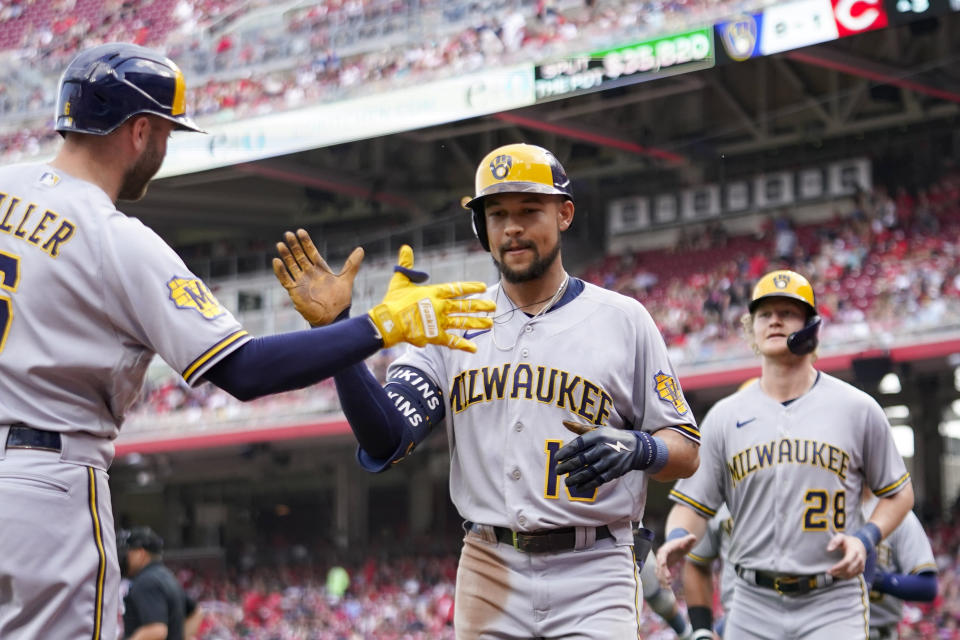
(789, 456)
(546, 554)
(906, 570)
(88, 296)
(698, 576)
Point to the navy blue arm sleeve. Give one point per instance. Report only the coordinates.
(920, 587)
(376, 423)
(388, 421)
(288, 361)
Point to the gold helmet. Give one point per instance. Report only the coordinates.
(790, 284)
(784, 284)
(515, 168)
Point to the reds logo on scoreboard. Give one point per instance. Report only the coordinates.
(191, 293)
(857, 16)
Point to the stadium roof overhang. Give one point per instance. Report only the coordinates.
(877, 90)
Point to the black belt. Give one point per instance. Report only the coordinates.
(888, 632)
(785, 584)
(21, 436)
(547, 541)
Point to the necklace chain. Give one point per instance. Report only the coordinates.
(552, 300)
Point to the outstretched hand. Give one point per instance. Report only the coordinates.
(670, 553)
(422, 314)
(318, 294)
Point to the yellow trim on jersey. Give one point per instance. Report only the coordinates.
(692, 503)
(891, 487)
(14, 277)
(637, 591)
(924, 568)
(210, 353)
(102, 569)
(700, 559)
(865, 601)
(687, 430)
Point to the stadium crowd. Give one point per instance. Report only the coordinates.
(887, 268)
(388, 598)
(323, 52)
(410, 597)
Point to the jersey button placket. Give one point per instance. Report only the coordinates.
(780, 492)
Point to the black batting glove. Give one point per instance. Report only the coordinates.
(603, 454)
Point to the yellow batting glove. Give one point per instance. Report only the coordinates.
(422, 314)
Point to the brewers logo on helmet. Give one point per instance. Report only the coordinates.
(515, 168)
(792, 285)
(785, 284)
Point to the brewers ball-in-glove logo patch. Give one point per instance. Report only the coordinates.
(191, 293)
(739, 37)
(781, 281)
(500, 166)
(668, 391)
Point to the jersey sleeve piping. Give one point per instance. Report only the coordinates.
(926, 567)
(676, 496)
(893, 487)
(191, 373)
(687, 430)
(701, 560)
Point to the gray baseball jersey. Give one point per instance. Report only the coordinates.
(715, 544)
(792, 475)
(907, 550)
(89, 295)
(598, 358)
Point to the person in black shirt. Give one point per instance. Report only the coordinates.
(155, 607)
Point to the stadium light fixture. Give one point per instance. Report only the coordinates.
(950, 429)
(897, 412)
(889, 384)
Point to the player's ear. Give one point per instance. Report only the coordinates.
(139, 128)
(565, 215)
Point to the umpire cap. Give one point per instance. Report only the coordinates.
(139, 538)
(104, 86)
(515, 168)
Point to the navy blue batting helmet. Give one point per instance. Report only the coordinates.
(104, 86)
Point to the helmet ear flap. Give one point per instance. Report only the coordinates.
(805, 340)
(480, 228)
